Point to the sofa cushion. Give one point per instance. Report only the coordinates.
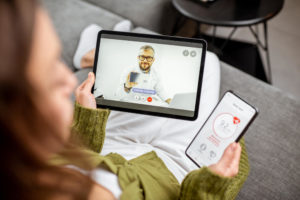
(273, 139)
(70, 17)
(156, 15)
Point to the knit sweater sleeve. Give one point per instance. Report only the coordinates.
(204, 184)
(89, 127)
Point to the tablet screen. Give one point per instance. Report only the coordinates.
(150, 75)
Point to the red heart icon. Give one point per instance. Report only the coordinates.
(236, 120)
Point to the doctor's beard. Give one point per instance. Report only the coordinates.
(145, 66)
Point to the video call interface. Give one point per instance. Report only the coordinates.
(154, 75)
(222, 128)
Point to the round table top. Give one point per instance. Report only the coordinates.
(229, 12)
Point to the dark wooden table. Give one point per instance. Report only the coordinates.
(231, 13)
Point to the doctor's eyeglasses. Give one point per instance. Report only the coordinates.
(148, 58)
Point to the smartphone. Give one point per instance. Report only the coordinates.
(133, 76)
(226, 124)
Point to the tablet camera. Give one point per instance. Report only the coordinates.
(185, 52)
(193, 53)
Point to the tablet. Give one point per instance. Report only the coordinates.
(149, 74)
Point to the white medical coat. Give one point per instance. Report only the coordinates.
(148, 85)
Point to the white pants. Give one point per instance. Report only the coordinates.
(132, 135)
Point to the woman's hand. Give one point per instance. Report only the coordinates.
(228, 165)
(83, 93)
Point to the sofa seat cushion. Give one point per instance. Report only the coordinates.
(272, 140)
(156, 15)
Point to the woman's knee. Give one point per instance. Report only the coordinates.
(212, 63)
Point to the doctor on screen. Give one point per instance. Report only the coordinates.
(141, 83)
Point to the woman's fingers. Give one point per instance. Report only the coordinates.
(228, 154)
(88, 83)
(81, 86)
(231, 159)
(86, 86)
(228, 165)
(83, 92)
(236, 160)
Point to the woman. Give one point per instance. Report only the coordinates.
(35, 119)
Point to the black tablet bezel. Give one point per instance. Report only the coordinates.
(204, 48)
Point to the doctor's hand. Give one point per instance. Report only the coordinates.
(228, 165)
(83, 93)
(129, 84)
(168, 100)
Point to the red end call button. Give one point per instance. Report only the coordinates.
(149, 99)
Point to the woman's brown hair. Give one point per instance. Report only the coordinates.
(23, 170)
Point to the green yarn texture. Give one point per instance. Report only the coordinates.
(147, 177)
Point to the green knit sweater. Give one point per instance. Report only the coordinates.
(147, 177)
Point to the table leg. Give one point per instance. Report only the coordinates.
(267, 52)
(178, 24)
(198, 28)
(265, 47)
(214, 34)
(229, 38)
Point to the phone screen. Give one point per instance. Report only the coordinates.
(227, 122)
(133, 76)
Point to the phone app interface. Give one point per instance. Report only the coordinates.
(221, 129)
(148, 74)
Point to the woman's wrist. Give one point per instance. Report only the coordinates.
(89, 126)
(84, 107)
